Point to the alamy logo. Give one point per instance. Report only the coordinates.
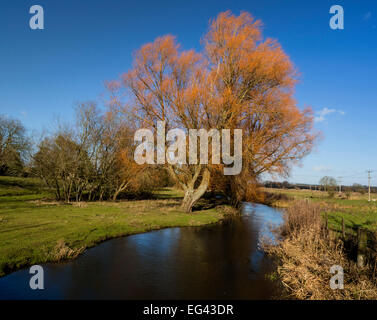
(36, 281)
(337, 281)
(37, 20)
(337, 20)
(176, 142)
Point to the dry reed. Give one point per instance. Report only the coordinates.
(306, 253)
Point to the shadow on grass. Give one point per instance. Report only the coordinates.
(209, 200)
(28, 183)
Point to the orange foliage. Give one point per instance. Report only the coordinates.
(240, 81)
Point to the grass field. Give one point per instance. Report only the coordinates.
(35, 229)
(356, 211)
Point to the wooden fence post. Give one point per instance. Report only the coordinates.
(326, 229)
(362, 239)
(343, 229)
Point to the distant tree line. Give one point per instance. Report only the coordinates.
(324, 186)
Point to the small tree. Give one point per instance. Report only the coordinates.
(63, 165)
(14, 146)
(348, 192)
(329, 185)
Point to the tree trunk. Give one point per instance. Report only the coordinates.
(192, 195)
(115, 195)
(121, 188)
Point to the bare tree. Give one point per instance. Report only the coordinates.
(90, 161)
(14, 146)
(329, 185)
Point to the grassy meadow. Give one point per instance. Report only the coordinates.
(356, 211)
(34, 228)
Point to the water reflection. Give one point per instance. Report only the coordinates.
(264, 219)
(220, 261)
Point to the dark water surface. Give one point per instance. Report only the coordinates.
(220, 261)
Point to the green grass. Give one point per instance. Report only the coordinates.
(352, 220)
(35, 229)
(356, 211)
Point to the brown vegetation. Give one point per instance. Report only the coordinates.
(62, 252)
(306, 253)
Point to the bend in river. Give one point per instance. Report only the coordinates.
(221, 261)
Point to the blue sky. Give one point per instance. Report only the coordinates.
(44, 73)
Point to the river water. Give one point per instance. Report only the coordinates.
(220, 261)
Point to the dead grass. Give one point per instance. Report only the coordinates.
(80, 204)
(62, 252)
(40, 202)
(275, 199)
(305, 255)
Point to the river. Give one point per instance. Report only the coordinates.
(220, 261)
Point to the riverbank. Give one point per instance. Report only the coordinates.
(353, 207)
(308, 250)
(36, 229)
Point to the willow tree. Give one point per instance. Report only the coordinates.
(169, 85)
(239, 81)
(253, 81)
